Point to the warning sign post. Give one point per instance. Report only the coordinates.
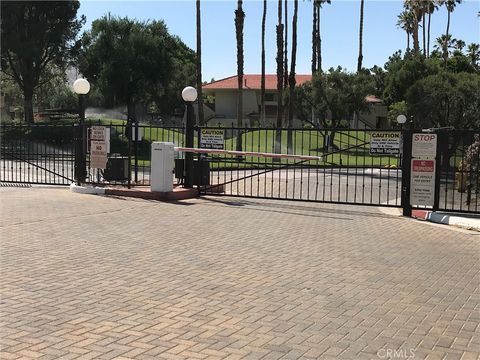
(385, 143)
(212, 139)
(422, 183)
(98, 154)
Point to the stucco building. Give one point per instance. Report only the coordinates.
(224, 109)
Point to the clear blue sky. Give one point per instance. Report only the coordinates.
(339, 29)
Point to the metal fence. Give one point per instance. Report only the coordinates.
(348, 172)
(459, 175)
(37, 154)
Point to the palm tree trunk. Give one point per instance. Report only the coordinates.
(199, 67)
(423, 31)
(319, 41)
(416, 46)
(292, 78)
(239, 19)
(285, 49)
(428, 35)
(408, 41)
(262, 91)
(278, 135)
(445, 45)
(314, 38)
(360, 39)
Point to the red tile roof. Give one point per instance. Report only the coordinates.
(251, 82)
(372, 99)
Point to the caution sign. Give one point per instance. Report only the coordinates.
(212, 139)
(385, 143)
(422, 182)
(98, 154)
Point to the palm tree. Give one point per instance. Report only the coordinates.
(239, 20)
(431, 6)
(319, 4)
(314, 37)
(459, 45)
(278, 135)
(450, 5)
(199, 66)
(405, 22)
(444, 44)
(473, 53)
(415, 7)
(292, 77)
(262, 91)
(360, 38)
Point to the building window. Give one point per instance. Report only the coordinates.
(270, 97)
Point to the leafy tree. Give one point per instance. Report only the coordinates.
(401, 75)
(136, 62)
(398, 108)
(446, 99)
(35, 35)
(340, 94)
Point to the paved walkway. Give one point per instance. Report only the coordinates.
(101, 277)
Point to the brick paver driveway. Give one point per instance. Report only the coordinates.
(97, 277)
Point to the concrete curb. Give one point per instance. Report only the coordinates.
(145, 193)
(467, 222)
(91, 190)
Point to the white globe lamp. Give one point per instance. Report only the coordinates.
(81, 86)
(189, 94)
(401, 119)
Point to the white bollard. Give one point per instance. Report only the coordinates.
(161, 166)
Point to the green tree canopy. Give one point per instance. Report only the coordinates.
(446, 99)
(136, 62)
(37, 36)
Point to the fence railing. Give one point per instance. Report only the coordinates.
(347, 173)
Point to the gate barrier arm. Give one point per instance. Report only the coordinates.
(248, 153)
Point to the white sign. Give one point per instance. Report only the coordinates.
(98, 154)
(422, 182)
(212, 139)
(385, 143)
(424, 145)
(98, 133)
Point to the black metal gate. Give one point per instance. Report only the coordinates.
(347, 174)
(37, 154)
(350, 171)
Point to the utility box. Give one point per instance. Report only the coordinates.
(201, 171)
(161, 176)
(117, 169)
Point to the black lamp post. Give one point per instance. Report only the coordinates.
(189, 95)
(81, 87)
